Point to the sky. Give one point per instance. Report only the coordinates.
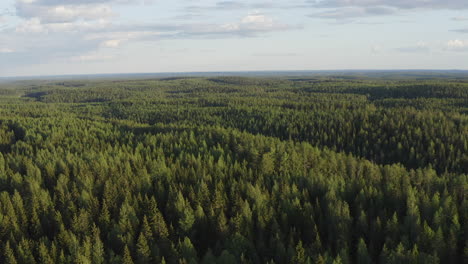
(57, 37)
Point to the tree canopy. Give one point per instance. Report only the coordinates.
(234, 170)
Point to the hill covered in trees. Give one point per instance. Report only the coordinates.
(321, 169)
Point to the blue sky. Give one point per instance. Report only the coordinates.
(53, 37)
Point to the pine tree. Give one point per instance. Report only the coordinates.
(209, 258)
(143, 250)
(158, 224)
(146, 230)
(97, 254)
(127, 258)
(104, 217)
(362, 253)
(227, 258)
(9, 256)
(299, 256)
(25, 252)
(187, 251)
(44, 256)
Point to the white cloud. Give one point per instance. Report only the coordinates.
(344, 9)
(64, 13)
(91, 58)
(112, 43)
(276, 54)
(259, 22)
(81, 2)
(355, 11)
(115, 39)
(419, 47)
(457, 45)
(6, 50)
(402, 4)
(252, 22)
(376, 49)
(460, 18)
(30, 26)
(84, 40)
(249, 25)
(35, 25)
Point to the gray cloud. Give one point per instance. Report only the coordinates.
(346, 9)
(219, 6)
(457, 45)
(77, 2)
(403, 4)
(45, 47)
(460, 18)
(279, 54)
(230, 5)
(189, 16)
(59, 14)
(353, 12)
(247, 5)
(85, 30)
(86, 40)
(249, 26)
(420, 47)
(5, 12)
(58, 11)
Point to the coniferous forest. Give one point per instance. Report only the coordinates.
(318, 169)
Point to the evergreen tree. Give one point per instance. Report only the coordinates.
(362, 253)
(8, 255)
(143, 250)
(127, 258)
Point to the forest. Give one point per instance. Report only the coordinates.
(277, 169)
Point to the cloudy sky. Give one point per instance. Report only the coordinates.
(51, 37)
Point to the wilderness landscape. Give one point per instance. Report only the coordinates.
(319, 168)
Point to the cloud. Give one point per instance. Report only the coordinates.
(64, 13)
(91, 58)
(354, 11)
(245, 5)
(81, 30)
(420, 47)
(457, 45)
(61, 31)
(227, 6)
(35, 25)
(375, 49)
(83, 40)
(462, 30)
(112, 43)
(6, 50)
(460, 18)
(30, 26)
(230, 5)
(345, 9)
(81, 2)
(250, 25)
(401, 4)
(259, 22)
(59, 11)
(279, 54)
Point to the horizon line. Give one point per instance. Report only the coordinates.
(211, 73)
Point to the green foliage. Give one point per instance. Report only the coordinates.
(234, 170)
